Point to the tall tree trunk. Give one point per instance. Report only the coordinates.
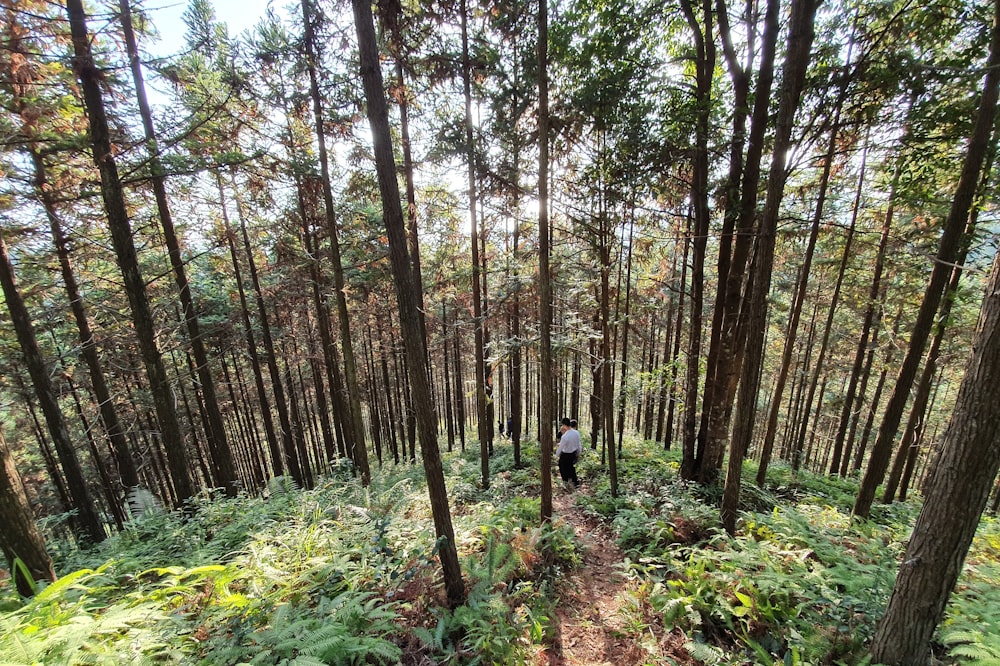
(222, 457)
(407, 297)
(459, 384)
(800, 38)
(698, 235)
(353, 399)
(447, 393)
(20, 540)
(91, 527)
(803, 283)
(516, 360)
(625, 325)
(918, 408)
(824, 343)
(546, 417)
(669, 434)
(727, 343)
(914, 450)
(112, 493)
(483, 420)
(121, 237)
(951, 240)
(127, 473)
(958, 489)
(842, 453)
(264, 403)
(866, 432)
(287, 452)
(412, 229)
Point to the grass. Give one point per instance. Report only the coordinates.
(346, 575)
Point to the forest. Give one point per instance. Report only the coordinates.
(291, 318)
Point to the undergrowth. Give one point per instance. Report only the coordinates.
(342, 574)
(798, 584)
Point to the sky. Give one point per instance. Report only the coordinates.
(238, 15)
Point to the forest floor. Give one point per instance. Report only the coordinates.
(596, 620)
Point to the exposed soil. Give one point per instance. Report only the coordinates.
(594, 610)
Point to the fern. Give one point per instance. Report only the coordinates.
(141, 502)
(705, 653)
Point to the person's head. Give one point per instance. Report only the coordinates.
(564, 425)
(573, 424)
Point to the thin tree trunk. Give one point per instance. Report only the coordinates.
(914, 449)
(287, 451)
(353, 398)
(127, 473)
(483, 421)
(407, 294)
(625, 324)
(803, 283)
(918, 408)
(222, 457)
(264, 403)
(121, 237)
(948, 250)
(459, 384)
(447, 393)
(91, 527)
(675, 354)
(698, 229)
(848, 413)
(825, 341)
(545, 371)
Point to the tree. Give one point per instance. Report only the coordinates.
(224, 472)
(800, 38)
(360, 452)
(484, 421)
(948, 250)
(20, 540)
(91, 527)
(407, 297)
(956, 493)
(57, 115)
(121, 236)
(546, 416)
(728, 339)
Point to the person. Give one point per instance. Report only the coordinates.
(568, 451)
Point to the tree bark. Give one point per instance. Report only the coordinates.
(483, 421)
(951, 239)
(222, 457)
(800, 39)
(353, 397)
(20, 540)
(955, 496)
(698, 235)
(263, 401)
(842, 444)
(546, 417)
(407, 297)
(92, 529)
(121, 237)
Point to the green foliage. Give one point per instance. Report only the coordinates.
(971, 629)
(347, 575)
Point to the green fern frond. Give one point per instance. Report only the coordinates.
(282, 486)
(704, 652)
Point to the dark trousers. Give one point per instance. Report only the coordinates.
(567, 468)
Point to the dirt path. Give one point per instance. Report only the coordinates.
(590, 622)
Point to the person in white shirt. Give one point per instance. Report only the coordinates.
(568, 451)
